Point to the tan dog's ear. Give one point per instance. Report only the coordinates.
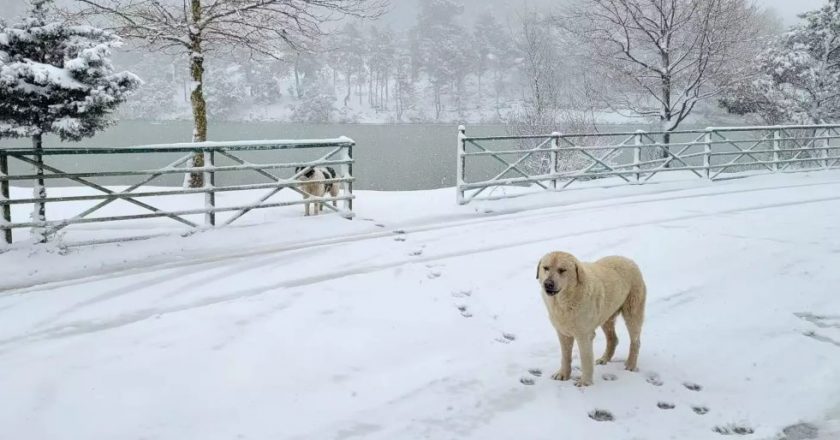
(581, 274)
(539, 264)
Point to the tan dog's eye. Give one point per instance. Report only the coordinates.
(561, 271)
(545, 268)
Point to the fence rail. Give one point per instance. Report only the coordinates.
(556, 161)
(339, 154)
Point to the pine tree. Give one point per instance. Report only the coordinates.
(799, 75)
(56, 78)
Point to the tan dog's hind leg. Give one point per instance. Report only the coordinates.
(633, 312)
(565, 371)
(612, 340)
(587, 362)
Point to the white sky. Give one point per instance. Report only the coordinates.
(788, 9)
(403, 11)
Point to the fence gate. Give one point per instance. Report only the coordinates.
(99, 191)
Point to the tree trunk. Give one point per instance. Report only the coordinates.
(459, 86)
(438, 103)
(298, 87)
(199, 104)
(666, 141)
(39, 213)
(667, 110)
(370, 89)
(479, 89)
(398, 101)
(349, 90)
(497, 85)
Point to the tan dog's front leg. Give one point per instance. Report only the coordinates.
(587, 359)
(307, 206)
(565, 371)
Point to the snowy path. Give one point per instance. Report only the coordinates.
(430, 325)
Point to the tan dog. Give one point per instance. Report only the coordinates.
(581, 297)
(313, 186)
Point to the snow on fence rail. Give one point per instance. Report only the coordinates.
(338, 153)
(556, 161)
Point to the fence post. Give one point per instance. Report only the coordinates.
(637, 155)
(39, 192)
(210, 184)
(776, 147)
(347, 172)
(6, 218)
(827, 149)
(459, 178)
(555, 146)
(707, 154)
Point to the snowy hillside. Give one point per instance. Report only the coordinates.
(421, 319)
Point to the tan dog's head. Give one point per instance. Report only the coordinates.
(557, 271)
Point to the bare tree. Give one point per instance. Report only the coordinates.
(663, 57)
(552, 101)
(197, 28)
(536, 44)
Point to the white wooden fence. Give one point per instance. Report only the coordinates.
(557, 161)
(39, 168)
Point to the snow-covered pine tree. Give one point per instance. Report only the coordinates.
(56, 78)
(798, 75)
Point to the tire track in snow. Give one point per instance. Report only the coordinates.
(168, 278)
(153, 263)
(84, 327)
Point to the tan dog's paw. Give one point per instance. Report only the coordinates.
(583, 383)
(562, 375)
(632, 368)
(602, 361)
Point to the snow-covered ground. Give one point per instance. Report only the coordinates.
(421, 319)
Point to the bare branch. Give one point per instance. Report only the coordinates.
(663, 57)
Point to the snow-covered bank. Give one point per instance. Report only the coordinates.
(421, 319)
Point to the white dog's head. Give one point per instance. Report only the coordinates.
(558, 271)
